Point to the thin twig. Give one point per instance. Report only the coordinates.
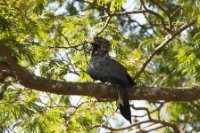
(63, 47)
(95, 5)
(105, 25)
(120, 129)
(157, 15)
(150, 22)
(167, 124)
(167, 39)
(124, 13)
(168, 15)
(66, 39)
(195, 105)
(175, 11)
(164, 123)
(155, 128)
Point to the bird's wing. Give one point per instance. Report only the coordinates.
(108, 70)
(123, 72)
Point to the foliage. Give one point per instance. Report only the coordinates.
(51, 44)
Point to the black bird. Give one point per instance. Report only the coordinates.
(102, 67)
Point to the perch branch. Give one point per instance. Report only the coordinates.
(95, 90)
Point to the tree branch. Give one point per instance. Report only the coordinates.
(93, 4)
(157, 15)
(96, 90)
(124, 13)
(105, 25)
(123, 128)
(5, 71)
(167, 39)
(164, 123)
(166, 12)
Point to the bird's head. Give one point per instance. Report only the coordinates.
(101, 46)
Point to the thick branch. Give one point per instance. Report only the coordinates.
(95, 90)
(5, 71)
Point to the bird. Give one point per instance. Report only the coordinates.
(102, 67)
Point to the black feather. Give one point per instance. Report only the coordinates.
(102, 67)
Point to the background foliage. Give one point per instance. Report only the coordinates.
(48, 37)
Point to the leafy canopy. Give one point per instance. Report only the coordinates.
(51, 44)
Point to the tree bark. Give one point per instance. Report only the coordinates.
(90, 89)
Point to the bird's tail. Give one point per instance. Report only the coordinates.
(124, 105)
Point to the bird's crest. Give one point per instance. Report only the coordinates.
(101, 46)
